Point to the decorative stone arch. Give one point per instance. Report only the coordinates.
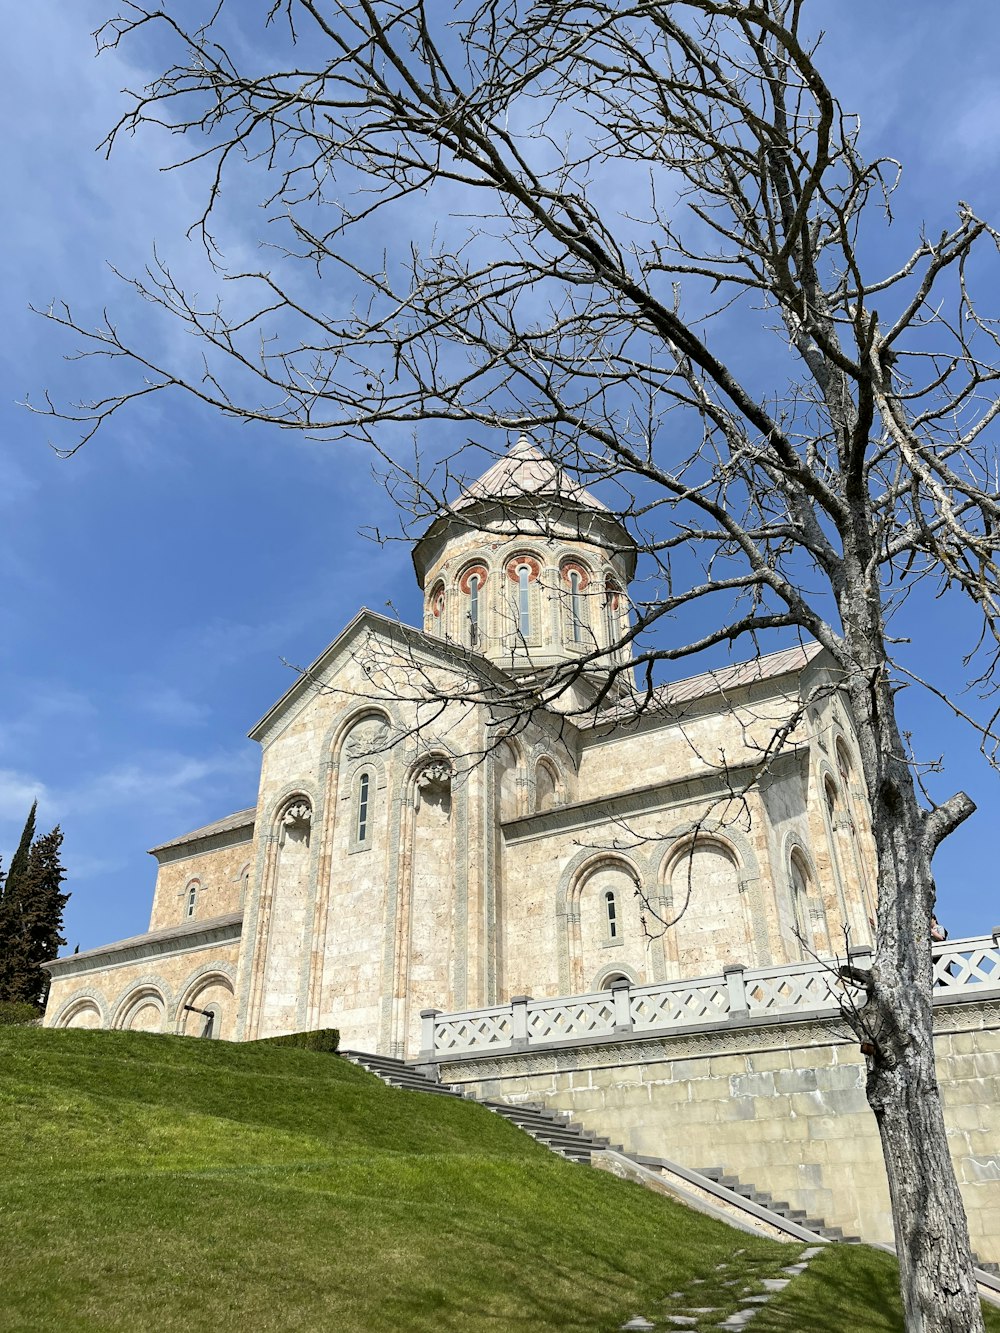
(854, 897)
(578, 872)
(507, 601)
(349, 761)
(548, 788)
(291, 794)
(243, 879)
(474, 634)
(604, 978)
(511, 767)
(738, 848)
(337, 737)
(79, 1003)
(805, 898)
(151, 992)
(209, 975)
(430, 883)
(436, 609)
(575, 577)
(613, 606)
(735, 842)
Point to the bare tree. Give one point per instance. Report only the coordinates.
(592, 214)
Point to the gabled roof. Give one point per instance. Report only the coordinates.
(665, 698)
(443, 649)
(722, 679)
(241, 819)
(524, 470)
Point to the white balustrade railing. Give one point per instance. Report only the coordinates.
(965, 969)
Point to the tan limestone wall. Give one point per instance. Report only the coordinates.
(148, 994)
(218, 872)
(783, 1108)
(389, 923)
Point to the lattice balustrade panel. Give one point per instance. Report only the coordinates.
(586, 1016)
(816, 988)
(466, 1032)
(680, 1006)
(967, 966)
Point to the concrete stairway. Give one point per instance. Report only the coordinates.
(572, 1141)
(761, 1197)
(548, 1127)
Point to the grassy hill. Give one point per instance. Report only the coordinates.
(169, 1184)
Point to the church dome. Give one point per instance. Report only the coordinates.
(527, 568)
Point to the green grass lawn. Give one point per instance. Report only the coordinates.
(163, 1183)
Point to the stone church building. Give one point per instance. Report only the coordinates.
(416, 842)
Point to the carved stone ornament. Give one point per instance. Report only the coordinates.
(438, 773)
(298, 816)
(371, 742)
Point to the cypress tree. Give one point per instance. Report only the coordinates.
(12, 934)
(31, 908)
(42, 913)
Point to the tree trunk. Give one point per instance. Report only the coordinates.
(938, 1290)
(932, 1239)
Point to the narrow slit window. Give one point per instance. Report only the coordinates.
(611, 615)
(192, 899)
(611, 907)
(363, 789)
(474, 610)
(574, 605)
(523, 601)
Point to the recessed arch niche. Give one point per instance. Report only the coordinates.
(711, 924)
(606, 929)
(82, 1014)
(143, 1010)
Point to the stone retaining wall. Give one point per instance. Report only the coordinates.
(781, 1105)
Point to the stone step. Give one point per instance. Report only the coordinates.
(550, 1127)
(430, 1088)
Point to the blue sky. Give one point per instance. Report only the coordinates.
(153, 583)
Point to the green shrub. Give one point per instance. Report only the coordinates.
(320, 1039)
(17, 1013)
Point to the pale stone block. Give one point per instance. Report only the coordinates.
(753, 1085)
(795, 1080)
(739, 1108)
(721, 1066)
(763, 1061)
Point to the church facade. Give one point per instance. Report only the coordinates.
(421, 841)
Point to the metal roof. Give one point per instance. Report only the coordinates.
(524, 470)
(241, 819)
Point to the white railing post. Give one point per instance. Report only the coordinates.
(428, 1023)
(737, 991)
(519, 1020)
(860, 956)
(621, 995)
(996, 936)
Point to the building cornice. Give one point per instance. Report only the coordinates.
(155, 944)
(655, 796)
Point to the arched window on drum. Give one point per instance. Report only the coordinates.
(576, 612)
(612, 612)
(471, 587)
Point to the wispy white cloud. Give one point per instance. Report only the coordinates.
(174, 785)
(17, 791)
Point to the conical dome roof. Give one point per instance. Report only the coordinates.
(526, 491)
(524, 470)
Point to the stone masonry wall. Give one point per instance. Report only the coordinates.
(782, 1106)
(148, 994)
(217, 866)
